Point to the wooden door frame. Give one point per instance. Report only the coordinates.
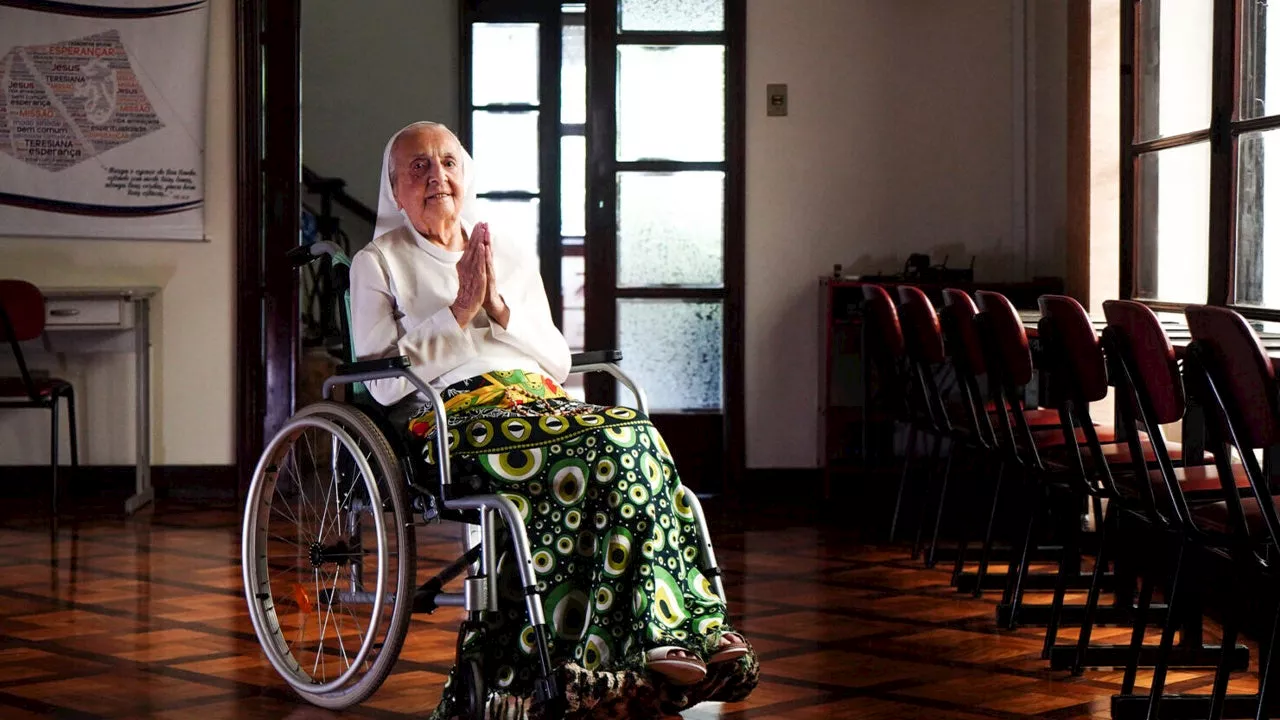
(268, 172)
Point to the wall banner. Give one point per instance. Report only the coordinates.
(102, 118)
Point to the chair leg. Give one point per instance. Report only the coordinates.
(1135, 640)
(1266, 670)
(1219, 697)
(53, 456)
(1166, 640)
(985, 561)
(964, 526)
(924, 498)
(931, 558)
(902, 483)
(1013, 588)
(71, 427)
(1066, 567)
(1095, 590)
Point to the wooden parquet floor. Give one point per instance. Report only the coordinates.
(108, 617)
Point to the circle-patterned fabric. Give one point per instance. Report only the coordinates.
(613, 538)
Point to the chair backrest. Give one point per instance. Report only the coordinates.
(23, 304)
(1074, 346)
(962, 315)
(1008, 337)
(920, 329)
(1151, 355)
(881, 318)
(1241, 371)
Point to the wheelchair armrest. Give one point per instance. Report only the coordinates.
(595, 357)
(369, 366)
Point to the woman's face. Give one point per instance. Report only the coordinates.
(428, 182)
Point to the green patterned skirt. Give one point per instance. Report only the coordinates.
(614, 544)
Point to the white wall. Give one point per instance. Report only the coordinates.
(900, 139)
(369, 69)
(193, 320)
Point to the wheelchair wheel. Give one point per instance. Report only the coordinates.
(329, 556)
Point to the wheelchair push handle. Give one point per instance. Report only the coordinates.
(304, 255)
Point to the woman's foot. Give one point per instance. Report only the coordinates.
(677, 665)
(732, 646)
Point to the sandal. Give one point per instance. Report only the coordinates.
(684, 669)
(732, 646)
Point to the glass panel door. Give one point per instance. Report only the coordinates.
(656, 216)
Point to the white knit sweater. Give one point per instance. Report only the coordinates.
(401, 288)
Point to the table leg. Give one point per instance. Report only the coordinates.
(143, 492)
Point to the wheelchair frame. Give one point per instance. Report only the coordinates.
(482, 514)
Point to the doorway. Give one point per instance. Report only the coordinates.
(611, 135)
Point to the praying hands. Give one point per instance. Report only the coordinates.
(478, 283)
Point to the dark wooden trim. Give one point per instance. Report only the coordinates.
(549, 51)
(467, 14)
(634, 37)
(671, 166)
(249, 370)
(1172, 141)
(1079, 163)
(169, 481)
(282, 183)
(1222, 181)
(1255, 124)
(735, 238)
(1257, 313)
(1128, 131)
(269, 196)
(507, 10)
(602, 193)
(509, 108)
(510, 195)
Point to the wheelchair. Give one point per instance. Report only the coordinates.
(329, 553)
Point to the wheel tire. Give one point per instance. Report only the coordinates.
(399, 586)
(471, 690)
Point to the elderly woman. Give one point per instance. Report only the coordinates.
(612, 537)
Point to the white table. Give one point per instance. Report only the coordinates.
(110, 319)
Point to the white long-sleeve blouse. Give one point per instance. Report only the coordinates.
(402, 286)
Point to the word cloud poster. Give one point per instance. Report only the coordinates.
(102, 118)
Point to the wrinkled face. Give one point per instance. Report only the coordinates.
(427, 178)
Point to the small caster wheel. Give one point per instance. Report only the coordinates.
(471, 691)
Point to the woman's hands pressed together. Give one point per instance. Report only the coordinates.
(473, 280)
(478, 283)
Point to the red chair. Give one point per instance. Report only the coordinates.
(1228, 371)
(22, 315)
(924, 347)
(1169, 503)
(887, 355)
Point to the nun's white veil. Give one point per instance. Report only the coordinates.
(390, 216)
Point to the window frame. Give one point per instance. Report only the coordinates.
(1223, 134)
(547, 15)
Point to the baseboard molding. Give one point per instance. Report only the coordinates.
(193, 482)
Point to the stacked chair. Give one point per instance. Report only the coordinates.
(1195, 521)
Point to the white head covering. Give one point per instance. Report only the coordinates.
(390, 216)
